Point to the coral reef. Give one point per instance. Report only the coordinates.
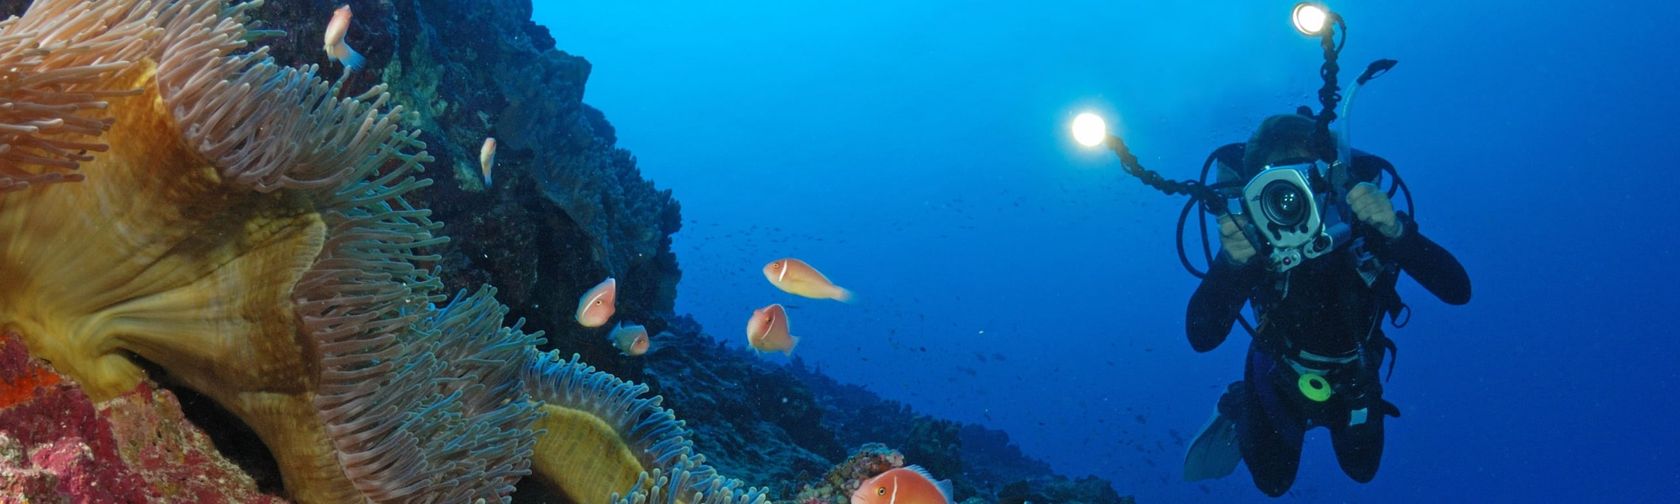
(875, 458)
(784, 427)
(749, 416)
(57, 446)
(980, 462)
(837, 486)
(568, 209)
(1005, 464)
(633, 440)
(1061, 490)
(244, 232)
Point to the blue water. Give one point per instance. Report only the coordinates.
(918, 153)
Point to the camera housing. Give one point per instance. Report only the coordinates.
(1287, 215)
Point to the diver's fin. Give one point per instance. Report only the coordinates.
(1214, 453)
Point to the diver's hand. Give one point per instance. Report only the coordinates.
(1373, 207)
(1231, 237)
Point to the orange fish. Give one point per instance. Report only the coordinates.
(596, 305)
(795, 277)
(336, 46)
(487, 158)
(905, 485)
(631, 339)
(768, 331)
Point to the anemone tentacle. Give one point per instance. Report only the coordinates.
(56, 64)
(494, 410)
(689, 481)
(657, 439)
(257, 246)
(414, 398)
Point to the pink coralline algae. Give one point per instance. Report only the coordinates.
(871, 459)
(56, 446)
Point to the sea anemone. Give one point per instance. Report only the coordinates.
(244, 229)
(55, 75)
(634, 446)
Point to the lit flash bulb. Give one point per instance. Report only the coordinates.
(1089, 129)
(1309, 18)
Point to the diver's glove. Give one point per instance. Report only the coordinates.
(1372, 206)
(1237, 247)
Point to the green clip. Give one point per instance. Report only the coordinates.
(1315, 387)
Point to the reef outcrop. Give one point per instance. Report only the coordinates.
(178, 206)
(56, 445)
(181, 208)
(807, 437)
(568, 207)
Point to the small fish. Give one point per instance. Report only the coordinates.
(337, 48)
(905, 485)
(795, 277)
(487, 158)
(631, 339)
(597, 304)
(768, 331)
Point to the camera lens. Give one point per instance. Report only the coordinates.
(1284, 203)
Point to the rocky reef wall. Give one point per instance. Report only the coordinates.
(808, 437)
(567, 209)
(57, 444)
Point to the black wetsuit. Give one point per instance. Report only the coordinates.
(1328, 310)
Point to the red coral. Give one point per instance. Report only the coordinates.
(19, 378)
(62, 433)
(57, 446)
(176, 459)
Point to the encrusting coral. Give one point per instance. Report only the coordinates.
(244, 229)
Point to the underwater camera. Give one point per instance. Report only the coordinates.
(1290, 223)
(1286, 215)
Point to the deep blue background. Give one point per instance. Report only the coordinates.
(917, 153)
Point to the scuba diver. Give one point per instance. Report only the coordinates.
(1309, 238)
(1320, 291)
